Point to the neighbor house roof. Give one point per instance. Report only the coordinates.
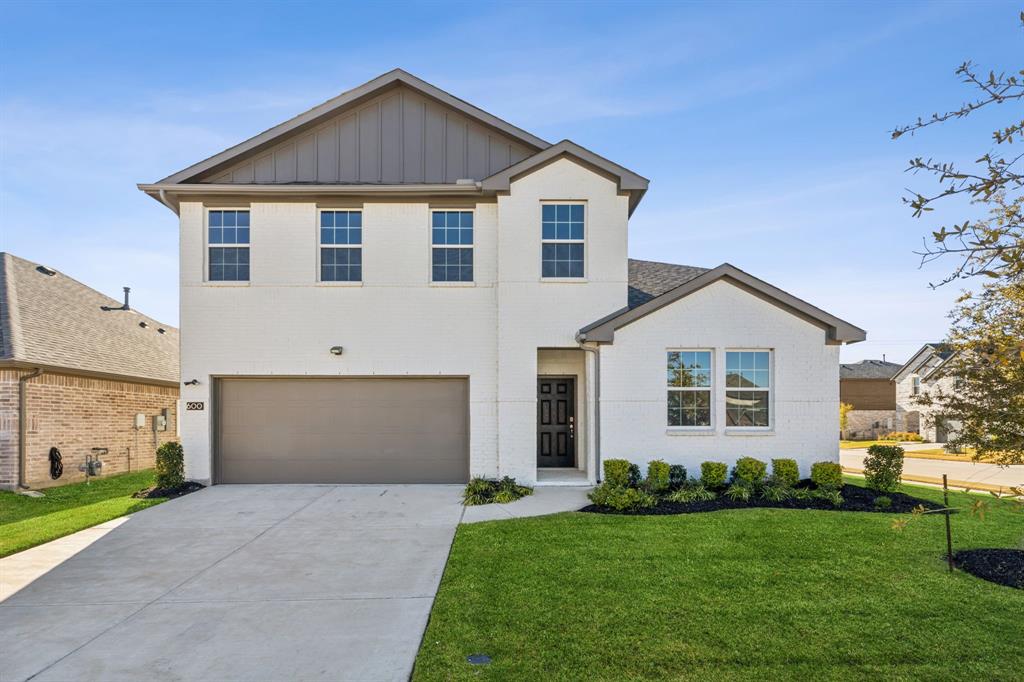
(656, 276)
(416, 140)
(868, 369)
(52, 321)
(930, 351)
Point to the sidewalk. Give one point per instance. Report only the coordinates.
(930, 470)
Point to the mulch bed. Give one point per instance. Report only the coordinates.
(183, 489)
(855, 499)
(1002, 566)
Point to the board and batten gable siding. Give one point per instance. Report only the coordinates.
(868, 394)
(399, 137)
(721, 316)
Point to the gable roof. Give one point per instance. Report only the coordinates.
(53, 321)
(347, 100)
(868, 369)
(837, 330)
(938, 350)
(628, 181)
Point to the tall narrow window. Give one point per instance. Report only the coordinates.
(915, 385)
(689, 388)
(452, 250)
(228, 243)
(748, 388)
(561, 240)
(341, 252)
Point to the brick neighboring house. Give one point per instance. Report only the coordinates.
(868, 386)
(922, 374)
(74, 376)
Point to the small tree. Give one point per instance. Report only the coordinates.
(883, 467)
(170, 466)
(844, 413)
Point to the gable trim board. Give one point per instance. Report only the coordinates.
(838, 331)
(332, 107)
(919, 358)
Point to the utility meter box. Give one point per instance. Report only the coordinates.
(160, 422)
(140, 421)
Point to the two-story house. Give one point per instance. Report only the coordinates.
(925, 373)
(396, 286)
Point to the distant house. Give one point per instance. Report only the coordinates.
(78, 370)
(925, 373)
(868, 386)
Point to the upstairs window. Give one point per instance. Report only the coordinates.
(341, 252)
(748, 388)
(452, 246)
(689, 388)
(562, 240)
(228, 244)
(915, 385)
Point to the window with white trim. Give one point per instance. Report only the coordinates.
(748, 388)
(689, 377)
(227, 241)
(561, 240)
(451, 246)
(915, 385)
(341, 250)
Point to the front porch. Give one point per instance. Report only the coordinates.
(566, 417)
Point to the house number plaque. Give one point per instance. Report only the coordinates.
(194, 405)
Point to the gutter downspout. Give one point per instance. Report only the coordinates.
(23, 424)
(596, 350)
(165, 202)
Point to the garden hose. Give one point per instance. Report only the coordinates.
(56, 465)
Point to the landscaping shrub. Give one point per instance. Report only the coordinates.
(676, 475)
(903, 436)
(621, 498)
(657, 475)
(712, 474)
(488, 491)
(827, 475)
(803, 494)
(739, 492)
(750, 471)
(832, 496)
(785, 472)
(616, 472)
(883, 502)
(170, 465)
(776, 492)
(634, 474)
(883, 467)
(692, 492)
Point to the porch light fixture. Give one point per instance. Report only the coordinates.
(336, 350)
(192, 382)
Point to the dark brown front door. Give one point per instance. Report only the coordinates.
(556, 422)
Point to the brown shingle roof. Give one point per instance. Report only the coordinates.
(56, 321)
(648, 279)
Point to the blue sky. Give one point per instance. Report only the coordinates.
(763, 127)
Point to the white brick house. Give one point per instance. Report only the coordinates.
(396, 286)
(925, 373)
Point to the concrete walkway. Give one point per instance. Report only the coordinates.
(972, 472)
(543, 501)
(236, 583)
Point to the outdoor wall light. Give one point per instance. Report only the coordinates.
(336, 350)
(193, 382)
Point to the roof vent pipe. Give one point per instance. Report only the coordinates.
(124, 306)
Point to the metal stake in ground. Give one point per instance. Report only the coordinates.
(949, 533)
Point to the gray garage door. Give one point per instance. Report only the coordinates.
(342, 431)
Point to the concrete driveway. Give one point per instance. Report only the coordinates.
(242, 583)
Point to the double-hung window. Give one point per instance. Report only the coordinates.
(748, 388)
(452, 246)
(688, 374)
(561, 240)
(915, 385)
(341, 252)
(228, 243)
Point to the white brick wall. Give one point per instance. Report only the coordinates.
(805, 398)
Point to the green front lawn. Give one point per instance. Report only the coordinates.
(855, 444)
(29, 521)
(746, 594)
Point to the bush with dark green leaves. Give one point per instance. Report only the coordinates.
(676, 476)
(493, 491)
(170, 466)
(785, 472)
(657, 476)
(616, 472)
(713, 474)
(883, 467)
(622, 498)
(749, 471)
(634, 474)
(883, 502)
(827, 475)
